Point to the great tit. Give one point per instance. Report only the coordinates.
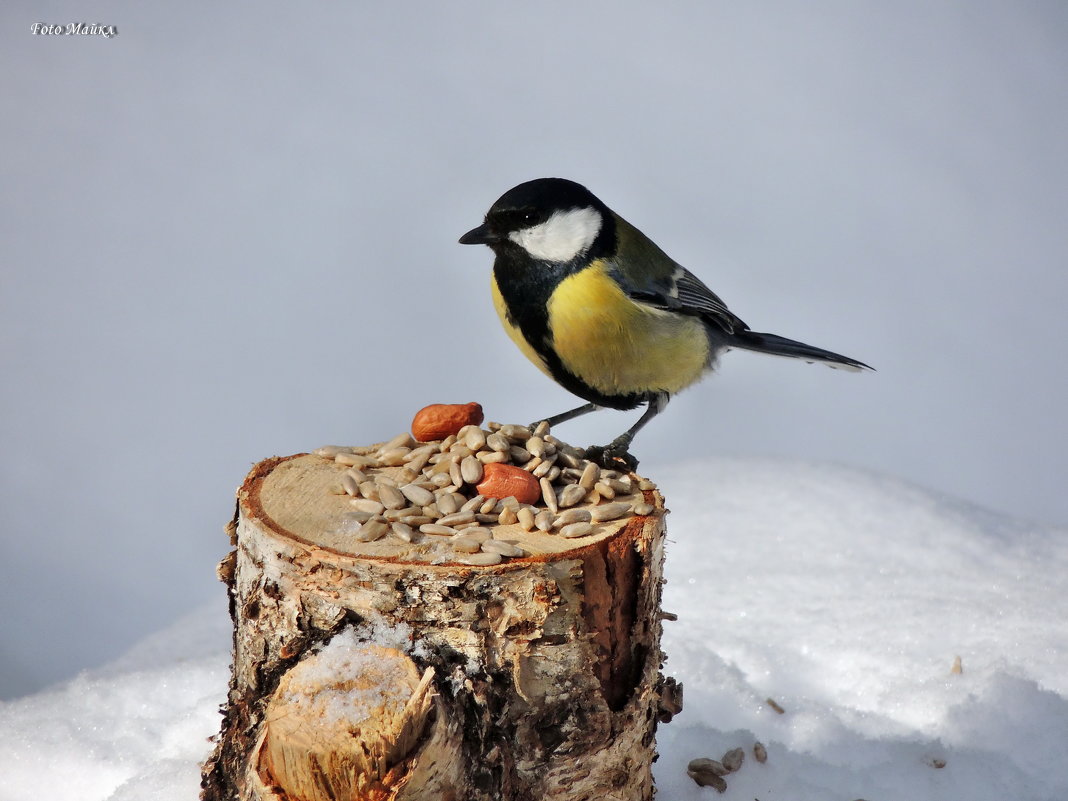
(603, 311)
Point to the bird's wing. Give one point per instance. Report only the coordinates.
(680, 291)
(652, 277)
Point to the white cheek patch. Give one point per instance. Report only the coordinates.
(562, 237)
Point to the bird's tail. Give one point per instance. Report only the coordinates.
(781, 346)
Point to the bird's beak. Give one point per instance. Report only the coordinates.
(479, 236)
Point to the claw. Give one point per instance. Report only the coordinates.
(612, 457)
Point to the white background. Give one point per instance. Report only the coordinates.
(230, 232)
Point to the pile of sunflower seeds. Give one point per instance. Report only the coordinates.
(413, 490)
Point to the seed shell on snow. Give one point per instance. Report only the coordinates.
(733, 759)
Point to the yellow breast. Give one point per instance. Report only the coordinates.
(619, 346)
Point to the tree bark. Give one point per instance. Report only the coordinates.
(383, 670)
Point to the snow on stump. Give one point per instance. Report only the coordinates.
(474, 656)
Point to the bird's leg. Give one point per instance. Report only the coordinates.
(617, 452)
(563, 417)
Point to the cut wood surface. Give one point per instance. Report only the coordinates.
(535, 678)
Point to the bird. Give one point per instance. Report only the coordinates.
(604, 312)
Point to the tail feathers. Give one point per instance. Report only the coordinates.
(781, 346)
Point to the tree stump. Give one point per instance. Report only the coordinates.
(389, 669)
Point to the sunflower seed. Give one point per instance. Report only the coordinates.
(492, 457)
(536, 446)
(516, 432)
(503, 548)
(373, 529)
(475, 438)
(418, 520)
(525, 518)
(328, 451)
(493, 425)
(417, 495)
(367, 505)
(553, 474)
(391, 497)
(569, 459)
(508, 516)
(336, 489)
(402, 531)
(447, 442)
(473, 503)
(400, 441)
(645, 485)
(541, 429)
(498, 442)
(546, 465)
(570, 495)
(464, 544)
(488, 507)
(417, 463)
(350, 484)
(448, 502)
(572, 530)
(404, 513)
(480, 559)
(572, 516)
(518, 455)
(456, 517)
(478, 533)
(590, 475)
(608, 511)
(441, 480)
(435, 528)
(548, 494)
(643, 509)
(355, 460)
(471, 470)
(459, 450)
(356, 473)
(543, 520)
(455, 473)
(604, 489)
(394, 457)
(404, 476)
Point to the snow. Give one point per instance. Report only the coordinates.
(844, 596)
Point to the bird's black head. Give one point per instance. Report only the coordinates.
(550, 219)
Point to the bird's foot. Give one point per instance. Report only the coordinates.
(613, 456)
